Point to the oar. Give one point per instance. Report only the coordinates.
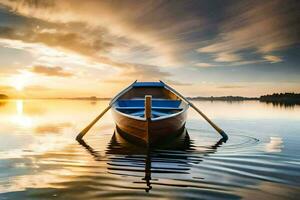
(86, 129)
(219, 130)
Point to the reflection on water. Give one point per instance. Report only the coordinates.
(51, 128)
(39, 158)
(283, 104)
(20, 118)
(127, 159)
(275, 144)
(2, 102)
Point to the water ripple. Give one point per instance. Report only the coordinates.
(191, 168)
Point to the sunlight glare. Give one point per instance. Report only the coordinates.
(19, 82)
(20, 118)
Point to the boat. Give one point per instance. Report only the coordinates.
(149, 112)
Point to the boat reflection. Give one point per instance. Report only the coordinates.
(130, 160)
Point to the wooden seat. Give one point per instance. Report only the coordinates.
(154, 114)
(155, 103)
(153, 108)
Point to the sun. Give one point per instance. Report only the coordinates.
(20, 81)
(19, 85)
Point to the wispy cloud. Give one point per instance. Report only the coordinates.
(202, 64)
(231, 86)
(272, 59)
(134, 25)
(260, 27)
(51, 71)
(227, 57)
(74, 43)
(67, 40)
(37, 88)
(139, 72)
(230, 63)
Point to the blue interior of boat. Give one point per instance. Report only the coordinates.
(155, 103)
(160, 107)
(148, 84)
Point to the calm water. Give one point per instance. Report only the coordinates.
(39, 158)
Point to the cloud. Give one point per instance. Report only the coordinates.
(125, 70)
(37, 88)
(229, 63)
(257, 27)
(177, 83)
(231, 86)
(142, 72)
(204, 65)
(51, 71)
(137, 26)
(227, 57)
(272, 59)
(67, 40)
(139, 72)
(246, 62)
(91, 49)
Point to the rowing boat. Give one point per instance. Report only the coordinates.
(149, 120)
(149, 112)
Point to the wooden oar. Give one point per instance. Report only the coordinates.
(86, 129)
(219, 130)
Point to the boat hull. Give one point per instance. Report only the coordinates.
(152, 131)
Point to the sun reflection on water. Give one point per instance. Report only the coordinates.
(20, 118)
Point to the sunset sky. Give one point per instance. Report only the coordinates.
(75, 48)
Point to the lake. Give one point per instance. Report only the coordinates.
(40, 158)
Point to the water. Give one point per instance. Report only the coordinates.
(39, 158)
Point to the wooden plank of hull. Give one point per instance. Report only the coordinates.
(158, 130)
(166, 128)
(134, 127)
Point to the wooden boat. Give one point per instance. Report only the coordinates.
(147, 120)
(149, 112)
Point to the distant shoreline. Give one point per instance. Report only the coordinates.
(224, 98)
(58, 98)
(276, 98)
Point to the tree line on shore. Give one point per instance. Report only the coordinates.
(275, 97)
(291, 98)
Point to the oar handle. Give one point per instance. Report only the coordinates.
(86, 129)
(218, 129)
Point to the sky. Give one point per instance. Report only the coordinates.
(76, 48)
